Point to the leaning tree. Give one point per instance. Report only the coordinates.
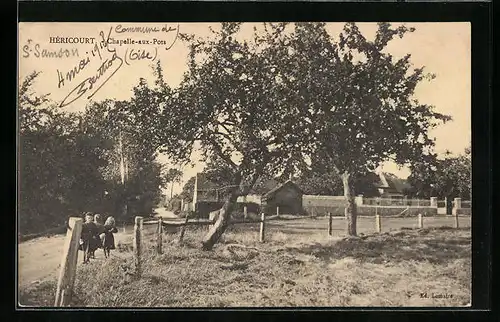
(359, 102)
(266, 104)
(231, 105)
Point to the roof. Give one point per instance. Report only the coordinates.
(203, 184)
(273, 191)
(392, 182)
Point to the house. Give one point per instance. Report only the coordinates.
(208, 196)
(287, 196)
(390, 186)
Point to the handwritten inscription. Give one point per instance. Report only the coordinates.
(37, 51)
(144, 29)
(140, 54)
(104, 72)
(94, 52)
(88, 83)
(101, 61)
(70, 75)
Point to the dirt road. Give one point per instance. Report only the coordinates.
(163, 213)
(39, 259)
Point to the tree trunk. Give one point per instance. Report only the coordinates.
(222, 221)
(350, 209)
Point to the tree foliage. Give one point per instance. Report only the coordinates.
(70, 162)
(443, 178)
(227, 103)
(188, 190)
(359, 101)
(264, 105)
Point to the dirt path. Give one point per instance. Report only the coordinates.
(39, 259)
(162, 212)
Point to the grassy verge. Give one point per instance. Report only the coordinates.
(390, 269)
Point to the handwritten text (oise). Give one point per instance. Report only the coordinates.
(109, 63)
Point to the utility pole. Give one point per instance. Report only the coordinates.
(123, 171)
(122, 165)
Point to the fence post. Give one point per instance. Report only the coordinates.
(245, 212)
(262, 227)
(212, 216)
(358, 200)
(124, 230)
(183, 228)
(68, 263)
(378, 224)
(159, 239)
(137, 244)
(330, 223)
(434, 202)
(457, 225)
(278, 210)
(457, 204)
(420, 221)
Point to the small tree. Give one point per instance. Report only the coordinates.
(188, 190)
(172, 176)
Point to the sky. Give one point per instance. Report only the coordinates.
(443, 48)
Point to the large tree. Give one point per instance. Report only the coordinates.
(59, 162)
(232, 104)
(359, 101)
(291, 92)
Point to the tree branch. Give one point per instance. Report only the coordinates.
(246, 189)
(221, 154)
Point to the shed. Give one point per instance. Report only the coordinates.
(287, 196)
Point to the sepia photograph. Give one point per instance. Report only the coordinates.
(244, 164)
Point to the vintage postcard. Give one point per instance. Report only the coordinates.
(287, 164)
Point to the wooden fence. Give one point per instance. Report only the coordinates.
(69, 259)
(397, 202)
(139, 224)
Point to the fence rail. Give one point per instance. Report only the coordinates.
(466, 204)
(396, 202)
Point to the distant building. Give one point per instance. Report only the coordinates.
(287, 196)
(208, 196)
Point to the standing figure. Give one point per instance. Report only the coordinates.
(87, 240)
(107, 238)
(100, 230)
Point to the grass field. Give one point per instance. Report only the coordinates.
(298, 265)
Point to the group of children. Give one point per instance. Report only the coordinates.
(96, 235)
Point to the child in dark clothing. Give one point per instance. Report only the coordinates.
(89, 237)
(107, 238)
